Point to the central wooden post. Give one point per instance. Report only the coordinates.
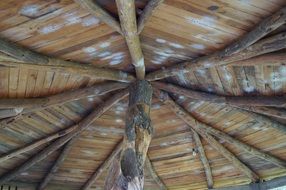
(127, 172)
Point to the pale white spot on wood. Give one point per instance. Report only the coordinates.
(204, 22)
(159, 40)
(176, 45)
(72, 18)
(25, 173)
(18, 110)
(29, 10)
(103, 54)
(104, 45)
(118, 120)
(156, 106)
(140, 63)
(50, 28)
(90, 21)
(89, 49)
(198, 46)
(115, 62)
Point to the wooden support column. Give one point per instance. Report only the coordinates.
(127, 16)
(194, 124)
(128, 172)
(61, 158)
(77, 129)
(147, 13)
(204, 159)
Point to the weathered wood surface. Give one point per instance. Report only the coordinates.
(32, 59)
(193, 123)
(82, 125)
(272, 112)
(204, 159)
(37, 104)
(138, 134)
(61, 158)
(252, 150)
(4, 113)
(100, 13)
(154, 174)
(265, 27)
(151, 6)
(37, 143)
(127, 16)
(103, 167)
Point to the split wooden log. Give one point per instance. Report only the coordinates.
(37, 104)
(154, 174)
(82, 125)
(4, 113)
(240, 50)
(128, 173)
(194, 124)
(103, 167)
(272, 112)
(100, 13)
(151, 6)
(204, 159)
(61, 158)
(219, 134)
(34, 60)
(264, 105)
(36, 144)
(127, 16)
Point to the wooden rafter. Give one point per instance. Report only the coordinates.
(26, 106)
(37, 104)
(271, 101)
(103, 167)
(204, 159)
(154, 174)
(4, 113)
(151, 6)
(31, 59)
(243, 104)
(247, 148)
(235, 52)
(82, 125)
(37, 143)
(100, 13)
(61, 158)
(128, 171)
(127, 16)
(193, 123)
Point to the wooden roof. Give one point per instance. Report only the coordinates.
(178, 30)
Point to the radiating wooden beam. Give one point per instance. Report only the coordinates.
(34, 60)
(36, 104)
(102, 167)
(204, 159)
(151, 6)
(267, 111)
(192, 122)
(219, 134)
(129, 171)
(10, 112)
(37, 143)
(239, 50)
(100, 13)
(259, 104)
(154, 174)
(127, 16)
(82, 125)
(61, 158)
